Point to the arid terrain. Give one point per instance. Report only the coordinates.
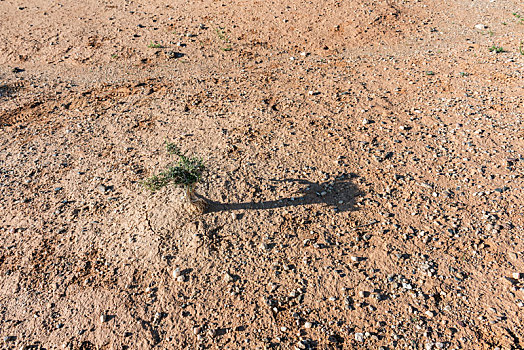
(365, 174)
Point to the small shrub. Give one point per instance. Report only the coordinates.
(187, 172)
(154, 45)
(496, 49)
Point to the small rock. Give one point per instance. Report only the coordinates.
(480, 26)
(229, 278)
(308, 325)
(103, 318)
(518, 275)
(430, 313)
(264, 246)
(103, 188)
(176, 273)
(359, 337)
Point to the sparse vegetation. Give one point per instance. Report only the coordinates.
(223, 36)
(496, 49)
(154, 45)
(521, 48)
(187, 172)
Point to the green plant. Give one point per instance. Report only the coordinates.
(496, 49)
(223, 36)
(187, 172)
(114, 56)
(154, 45)
(521, 48)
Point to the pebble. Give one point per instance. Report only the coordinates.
(103, 318)
(359, 336)
(176, 273)
(229, 278)
(480, 26)
(181, 278)
(430, 313)
(308, 325)
(103, 188)
(264, 246)
(518, 275)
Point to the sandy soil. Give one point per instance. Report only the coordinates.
(365, 174)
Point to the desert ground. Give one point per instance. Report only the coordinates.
(365, 164)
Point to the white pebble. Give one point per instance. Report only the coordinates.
(430, 313)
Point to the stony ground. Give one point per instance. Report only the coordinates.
(365, 174)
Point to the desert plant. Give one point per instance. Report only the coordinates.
(222, 35)
(187, 172)
(154, 45)
(496, 49)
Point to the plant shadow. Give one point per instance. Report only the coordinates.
(339, 194)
